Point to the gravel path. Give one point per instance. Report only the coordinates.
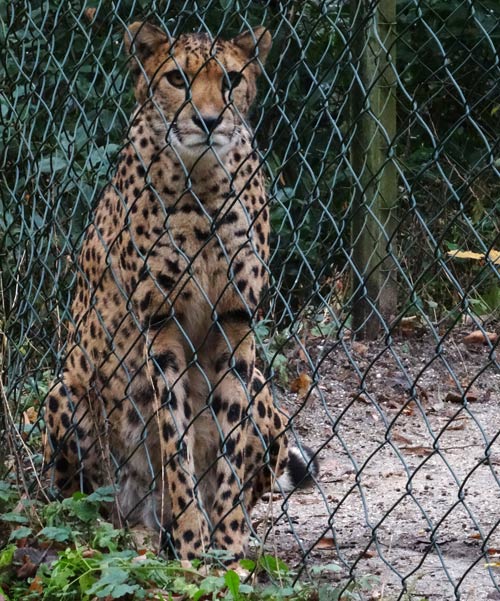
(410, 483)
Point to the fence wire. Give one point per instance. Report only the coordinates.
(376, 124)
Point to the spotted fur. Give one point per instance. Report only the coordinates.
(159, 389)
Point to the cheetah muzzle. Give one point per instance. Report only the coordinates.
(159, 390)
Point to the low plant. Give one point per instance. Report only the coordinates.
(64, 550)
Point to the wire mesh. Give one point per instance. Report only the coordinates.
(377, 126)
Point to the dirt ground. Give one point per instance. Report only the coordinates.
(409, 489)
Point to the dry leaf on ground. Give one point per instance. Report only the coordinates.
(480, 337)
(359, 348)
(325, 543)
(400, 438)
(454, 396)
(301, 384)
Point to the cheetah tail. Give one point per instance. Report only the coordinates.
(301, 469)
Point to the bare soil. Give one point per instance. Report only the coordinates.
(409, 489)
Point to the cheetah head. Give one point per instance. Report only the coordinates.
(201, 88)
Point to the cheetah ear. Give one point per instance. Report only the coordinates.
(255, 44)
(142, 39)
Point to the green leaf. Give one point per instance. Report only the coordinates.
(12, 516)
(22, 532)
(7, 555)
(6, 491)
(113, 583)
(59, 534)
(232, 581)
(273, 565)
(329, 567)
(104, 494)
(210, 584)
(52, 164)
(247, 564)
(106, 536)
(81, 508)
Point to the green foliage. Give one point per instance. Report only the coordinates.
(448, 122)
(89, 559)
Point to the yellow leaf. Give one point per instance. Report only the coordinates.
(465, 254)
(493, 255)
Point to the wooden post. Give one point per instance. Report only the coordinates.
(373, 116)
(388, 193)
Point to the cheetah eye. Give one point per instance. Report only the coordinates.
(176, 78)
(231, 80)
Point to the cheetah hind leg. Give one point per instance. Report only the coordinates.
(71, 449)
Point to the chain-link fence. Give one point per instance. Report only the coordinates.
(376, 124)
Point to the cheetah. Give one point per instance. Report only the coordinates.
(159, 391)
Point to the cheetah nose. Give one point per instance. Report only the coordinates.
(207, 122)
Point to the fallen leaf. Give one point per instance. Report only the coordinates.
(408, 326)
(400, 438)
(27, 570)
(424, 395)
(301, 385)
(465, 254)
(418, 450)
(302, 355)
(480, 337)
(360, 397)
(472, 395)
(36, 585)
(27, 560)
(325, 543)
(359, 348)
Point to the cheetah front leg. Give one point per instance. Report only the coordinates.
(233, 357)
(168, 373)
